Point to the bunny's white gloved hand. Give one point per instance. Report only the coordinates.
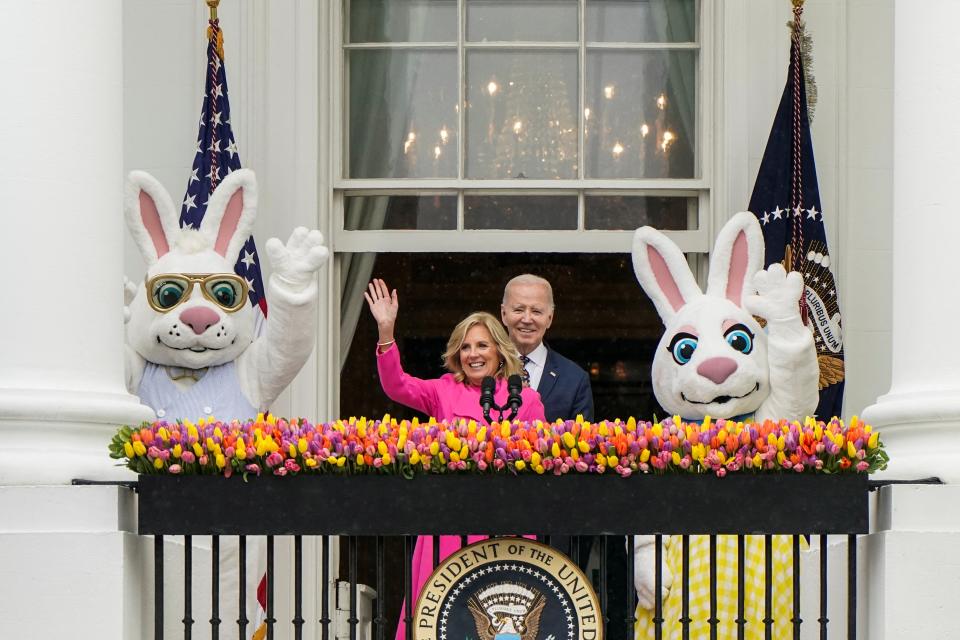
(129, 292)
(644, 567)
(778, 294)
(296, 262)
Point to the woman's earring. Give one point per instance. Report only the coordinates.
(501, 365)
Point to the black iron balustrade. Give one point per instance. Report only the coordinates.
(356, 507)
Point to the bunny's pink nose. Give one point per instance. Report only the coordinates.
(717, 369)
(199, 318)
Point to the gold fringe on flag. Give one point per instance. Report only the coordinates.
(799, 27)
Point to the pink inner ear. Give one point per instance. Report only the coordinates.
(738, 269)
(228, 226)
(664, 278)
(151, 222)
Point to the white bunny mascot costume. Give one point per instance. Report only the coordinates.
(714, 359)
(198, 323)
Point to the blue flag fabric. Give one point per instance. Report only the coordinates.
(789, 209)
(215, 158)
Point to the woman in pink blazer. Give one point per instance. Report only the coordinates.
(478, 347)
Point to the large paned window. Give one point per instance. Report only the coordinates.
(481, 139)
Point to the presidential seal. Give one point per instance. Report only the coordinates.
(507, 589)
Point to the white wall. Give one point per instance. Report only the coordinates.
(277, 78)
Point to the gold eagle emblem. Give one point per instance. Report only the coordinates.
(507, 609)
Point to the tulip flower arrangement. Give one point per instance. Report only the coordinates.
(276, 446)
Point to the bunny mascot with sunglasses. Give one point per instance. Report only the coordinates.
(192, 348)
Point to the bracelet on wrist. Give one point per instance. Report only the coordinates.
(386, 344)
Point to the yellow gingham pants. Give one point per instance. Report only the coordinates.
(754, 554)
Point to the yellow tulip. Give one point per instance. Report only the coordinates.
(197, 449)
(342, 460)
(874, 440)
(706, 423)
(602, 429)
(781, 443)
(217, 432)
(555, 450)
(568, 440)
(302, 445)
(539, 469)
(781, 456)
(434, 448)
(520, 464)
(575, 454)
(158, 463)
(613, 461)
(644, 455)
(128, 449)
(292, 450)
(657, 430)
(221, 461)
(584, 446)
(271, 420)
(535, 459)
(631, 424)
(464, 452)
(851, 450)
(757, 460)
(382, 448)
(414, 457)
(359, 459)
(482, 434)
(505, 429)
(387, 459)
(177, 450)
(674, 457)
(310, 462)
(454, 456)
(259, 417)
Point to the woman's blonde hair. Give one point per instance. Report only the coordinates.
(509, 356)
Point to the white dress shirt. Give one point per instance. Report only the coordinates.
(538, 361)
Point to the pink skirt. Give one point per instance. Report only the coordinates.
(422, 566)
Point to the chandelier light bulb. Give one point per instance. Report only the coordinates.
(492, 88)
(661, 102)
(609, 91)
(617, 150)
(644, 130)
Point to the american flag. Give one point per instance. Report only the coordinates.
(786, 199)
(215, 158)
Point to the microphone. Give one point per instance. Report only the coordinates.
(514, 399)
(487, 387)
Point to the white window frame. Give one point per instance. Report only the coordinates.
(703, 187)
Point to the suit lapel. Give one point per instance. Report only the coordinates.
(549, 377)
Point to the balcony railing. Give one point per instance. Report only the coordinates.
(363, 512)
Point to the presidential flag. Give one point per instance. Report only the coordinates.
(786, 199)
(215, 158)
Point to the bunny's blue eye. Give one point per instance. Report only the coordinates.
(740, 338)
(682, 347)
(168, 294)
(225, 294)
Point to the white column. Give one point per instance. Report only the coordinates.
(919, 418)
(62, 391)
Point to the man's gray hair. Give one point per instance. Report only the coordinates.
(529, 278)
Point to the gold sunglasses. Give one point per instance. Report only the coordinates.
(226, 290)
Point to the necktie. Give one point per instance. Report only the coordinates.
(525, 374)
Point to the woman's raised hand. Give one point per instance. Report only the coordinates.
(383, 305)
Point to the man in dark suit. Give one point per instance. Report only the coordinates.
(527, 311)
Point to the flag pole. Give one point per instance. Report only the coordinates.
(213, 4)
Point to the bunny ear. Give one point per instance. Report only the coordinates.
(151, 216)
(737, 256)
(663, 272)
(231, 211)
